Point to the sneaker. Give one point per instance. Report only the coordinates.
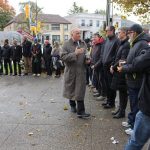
(34, 75)
(129, 131)
(38, 75)
(83, 115)
(100, 98)
(126, 124)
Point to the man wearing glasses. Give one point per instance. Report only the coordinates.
(138, 41)
(109, 52)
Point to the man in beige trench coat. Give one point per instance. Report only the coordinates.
(74, 56)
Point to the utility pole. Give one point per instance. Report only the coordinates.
(36, 17)
(108, 13)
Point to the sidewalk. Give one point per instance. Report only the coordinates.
(32, 117)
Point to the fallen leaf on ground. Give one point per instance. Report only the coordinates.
(65, 107)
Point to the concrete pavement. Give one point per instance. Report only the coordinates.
(32, 117)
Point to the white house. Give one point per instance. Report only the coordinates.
(91, 23)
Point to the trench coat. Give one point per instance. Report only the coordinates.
(75, 71)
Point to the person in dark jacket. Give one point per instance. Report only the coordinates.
(119, 81)
(47, 57)
(1, 62)
(26, 45)
(36, 58)
(7, 57)
(96, 65)
(139, 40)
(16, 51)
(141, 132)
(109, 52)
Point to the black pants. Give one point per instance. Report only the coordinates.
(6, 63)
(1, 67)
(36, 66)
(111, 94)
(80, 106)
(123, 99)
(48, 67)
(88, 74)
(17, 63)
(58, 71)
(103, 91)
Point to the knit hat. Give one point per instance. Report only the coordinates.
(136, 28)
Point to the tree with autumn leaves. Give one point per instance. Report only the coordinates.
(140, 8)
(7, 12)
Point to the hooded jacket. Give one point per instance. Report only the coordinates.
(134, 79)
(16, 52)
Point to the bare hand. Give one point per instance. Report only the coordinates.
(79, 51)
(119, 69)
(92, 67)
(111, 70)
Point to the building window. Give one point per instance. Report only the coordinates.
(65, 27)
(56, 27)
(82, 22)
(97, 23)
(91, 23)
(55, 38)
(65, 37)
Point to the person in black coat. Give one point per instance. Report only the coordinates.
(1, 62)
(16, 51)
(139, 40)
(109, 52)
(36, 58)
(47, 57)
(141, 132)
(119, 81)
(7, 57)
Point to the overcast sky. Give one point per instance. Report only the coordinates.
(61, 7)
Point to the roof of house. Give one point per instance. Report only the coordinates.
(44, 18)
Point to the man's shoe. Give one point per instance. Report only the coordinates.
(73, 109)
(108, 106)
(115, 112)
(83, 115)
(25, 74)
(104, 104)
(129, 131)
(119, 115)
(126, 124)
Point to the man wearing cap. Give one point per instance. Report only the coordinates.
(138, 41)
(74, 56)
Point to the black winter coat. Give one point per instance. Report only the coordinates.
(109, 51)
(134, 79)
(16, 52)
(47, 52)
(96, 55)
(6, 52)
(142, 64)
(119, 81)
(26, 45)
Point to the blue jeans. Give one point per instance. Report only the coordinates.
(141, 132)
(133, 97)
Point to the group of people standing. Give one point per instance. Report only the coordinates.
(30, 57)
(113, 64)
